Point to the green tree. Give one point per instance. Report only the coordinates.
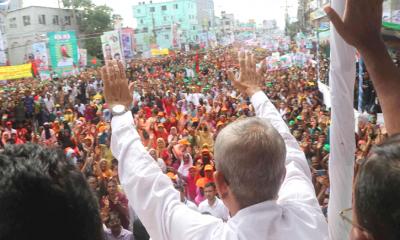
(93, 22)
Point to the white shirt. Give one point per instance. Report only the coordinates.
(295, 215)
(191, 205)
(217, 210)
(124, 235)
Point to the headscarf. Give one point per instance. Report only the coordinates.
(184, 167)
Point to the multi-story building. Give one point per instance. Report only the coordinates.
(171, 24)
(29, 25)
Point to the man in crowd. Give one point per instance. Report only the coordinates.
(248, 154)
(375, 207)
(40, 188)
(212, 204)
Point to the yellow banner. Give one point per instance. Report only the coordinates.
(16, 72)
(157, 52)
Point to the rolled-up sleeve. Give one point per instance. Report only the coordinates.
(151, 192)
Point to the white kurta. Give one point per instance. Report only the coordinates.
(295, 215)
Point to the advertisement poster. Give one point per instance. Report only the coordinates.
(82, 57)
(16, 72)
(41, 59)
(391, 14)
(111, 45)
(127, 43)
(63, 52)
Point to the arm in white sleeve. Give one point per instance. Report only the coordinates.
(150, 192)
(297, 185)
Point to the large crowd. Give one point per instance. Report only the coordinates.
(180, 105)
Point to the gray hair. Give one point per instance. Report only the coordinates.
(251, 155)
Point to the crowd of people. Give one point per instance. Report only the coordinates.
(180, 104)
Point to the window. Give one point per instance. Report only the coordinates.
(145, 29)
(26, 20)
(194, 27)
(165, 18)
(56, 20)
(12, 22)
(152, 9)
(175, 6)
(67, 20)
(166, 36)
(138, 11)
(42, 19)
(227, 23)
(141, 21)
(164, 8)
(136, 31)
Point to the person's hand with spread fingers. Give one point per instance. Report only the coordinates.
(117, 91)
(361, 28)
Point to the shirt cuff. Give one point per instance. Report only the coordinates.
(122, 121)
(258, 99)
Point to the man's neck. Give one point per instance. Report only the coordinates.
(212, 202)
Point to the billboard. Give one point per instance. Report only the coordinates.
(127, 43)
(82, 57)
(111, 45)
(41, 59)
(391, 14)
(63, 48)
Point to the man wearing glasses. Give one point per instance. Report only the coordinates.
(376, 211)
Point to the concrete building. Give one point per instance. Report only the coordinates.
(29, 25)
(171, 24)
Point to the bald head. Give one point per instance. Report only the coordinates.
(251, 154)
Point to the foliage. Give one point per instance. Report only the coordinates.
(93, 21)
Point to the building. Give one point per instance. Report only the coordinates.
(171, 24)
(29, 25)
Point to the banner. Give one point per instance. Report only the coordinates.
(127, 43)
(158, 52)
(16, 72)
(41, 59)
(82, 57)
(63, 52)
(111, 45)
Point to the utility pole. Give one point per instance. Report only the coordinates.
(154, 29)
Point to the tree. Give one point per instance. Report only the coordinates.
(92, 23)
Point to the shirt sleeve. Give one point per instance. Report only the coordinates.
(151, 192)
(297, 185)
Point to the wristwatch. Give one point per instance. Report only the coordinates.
(118, 110)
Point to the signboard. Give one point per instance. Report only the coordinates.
(158, 52)
(41, 59)
(82, 57)
(63, 48)
(16, 72)
(127, 43)
(111, 45)
(391, 14)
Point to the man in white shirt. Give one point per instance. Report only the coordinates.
(262, 175)
(212, 204)
(115, 230)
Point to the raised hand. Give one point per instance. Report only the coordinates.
(361, 24)
(248, 80)
(116, 89)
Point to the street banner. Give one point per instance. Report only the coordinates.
(41, 59)
(16, 72)
(82, 58)
(159, 52)
(63, 48)
(127, 43)
(111, 45)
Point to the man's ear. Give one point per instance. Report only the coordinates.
(358, 234)
(221, 184)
